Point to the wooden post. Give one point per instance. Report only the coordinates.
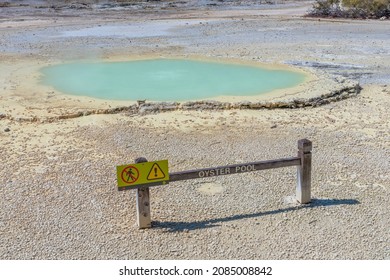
(144, 219)
(303, 193)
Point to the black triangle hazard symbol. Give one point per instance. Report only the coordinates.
(155, 173)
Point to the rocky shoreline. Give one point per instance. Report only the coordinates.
(142, 107)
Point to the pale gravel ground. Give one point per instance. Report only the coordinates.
(58, 187)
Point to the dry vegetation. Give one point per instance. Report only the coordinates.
(352, 8)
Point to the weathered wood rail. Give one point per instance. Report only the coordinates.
(232, 169)
(303, 187)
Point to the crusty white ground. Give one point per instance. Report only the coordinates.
(58, 180)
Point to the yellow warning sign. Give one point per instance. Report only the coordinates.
(156, 173)
(142, 173)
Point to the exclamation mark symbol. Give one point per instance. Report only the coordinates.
(155, 173)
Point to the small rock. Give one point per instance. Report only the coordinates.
(7, 130)
(383, 18)
(273, 126)
(141, 102)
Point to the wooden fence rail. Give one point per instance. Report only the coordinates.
(302, 161)
(233, 169)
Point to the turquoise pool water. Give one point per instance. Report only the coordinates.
(165, 79)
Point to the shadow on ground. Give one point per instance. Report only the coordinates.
(186, 226)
